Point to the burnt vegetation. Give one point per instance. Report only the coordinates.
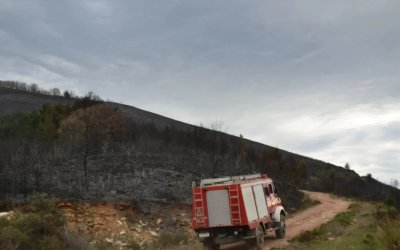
(83, 147)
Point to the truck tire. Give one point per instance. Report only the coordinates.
(281, 231)
(259, 238)
(209, 244)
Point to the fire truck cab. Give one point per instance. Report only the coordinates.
(236, 208)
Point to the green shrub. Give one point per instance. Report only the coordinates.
(133, 245)
(7, 205)
(37, 225)
(76, 240)
(369, 240)
(51, 242)
(307, 202)
(389, 233)
(354, 206)
(344, 219)
(11, 237)
(103, 245)
(307, 236)
(167, 240)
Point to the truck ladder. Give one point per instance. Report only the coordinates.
(199, 204)
(235, 204)
(229, 180)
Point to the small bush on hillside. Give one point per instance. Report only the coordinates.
(167, 240)
(354, 206)
(387, 218)
(103, 245)
(76, 240)
(44, 208)
(37, 225)
(307, 236)
(11, 237)
(344, 219)
(7, 205)
(307, 202)
(388, 212)
(369, 240)
(130, 215)
(389, 233)
(133, 245)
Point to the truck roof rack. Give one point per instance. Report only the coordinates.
(229, 180)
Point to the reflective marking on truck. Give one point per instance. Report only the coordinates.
(199, 215)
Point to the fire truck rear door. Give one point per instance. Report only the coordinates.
(219, 213)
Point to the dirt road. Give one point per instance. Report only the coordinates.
(307, 219)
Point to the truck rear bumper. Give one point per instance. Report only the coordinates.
(227, 239)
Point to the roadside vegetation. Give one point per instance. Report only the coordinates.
(364, 226)
(38, 224)
(165, 241)
(170, 241)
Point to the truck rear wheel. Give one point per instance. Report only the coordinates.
(209, 244)
(259, 238)
(281, 231)
(256, 243)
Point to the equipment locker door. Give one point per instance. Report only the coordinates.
(219, 212)
(260, 201)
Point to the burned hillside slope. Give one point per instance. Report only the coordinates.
(128, 152)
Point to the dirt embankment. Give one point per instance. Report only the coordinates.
(120, 222)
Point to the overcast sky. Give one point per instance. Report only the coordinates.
(319, 78)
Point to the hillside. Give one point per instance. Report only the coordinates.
(12, 100)
(149, 157)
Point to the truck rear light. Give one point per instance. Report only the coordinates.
(264, 176)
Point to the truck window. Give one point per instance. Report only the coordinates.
(271, 189)
(266, 190)
(276, 190)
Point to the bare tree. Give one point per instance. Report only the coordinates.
(394, 183)
(55, 91)
(34, 88)
(89, 128)
(198, 135)
(218, 126)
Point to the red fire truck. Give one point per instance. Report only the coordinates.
(231, 209)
